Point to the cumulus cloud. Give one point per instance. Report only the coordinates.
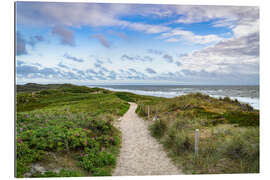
(178, 63)
(150, 71)
(148, 28)
(70, 14)
(20, 44)
(112, 75)
(224, 15)
(102, 39)
(104, 69)
(225, 56)
(168, 58)
(237, 47)
(67, 56)
(99, 61)
(246, 29)
(132, 70)
(131, 74)
(201, 76)
(136, 58)
(91, 71)
(240, 19)
(95, 15)
(97, 65)
(61, 65)
(28, 71)
(177, 35)
(32, 71)
(126, 57)
(35, 39)
(231, 59)
(66, 35)
(154, 51)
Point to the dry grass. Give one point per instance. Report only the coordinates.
(229, 133)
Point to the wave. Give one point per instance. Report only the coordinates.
(254, 102)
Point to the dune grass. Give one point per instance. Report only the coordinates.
(70, 130)
(229, 133)
(71, 123)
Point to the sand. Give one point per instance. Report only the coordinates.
(140, 153)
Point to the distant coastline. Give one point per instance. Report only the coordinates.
(246, 93)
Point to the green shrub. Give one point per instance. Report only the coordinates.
(124, 96)
(158, 128)
(177, 140)
(242, 118)
(141, 110)
(45, 92)
(243, 145)
(212, 118)
(95, 161)
(182, 143)
(25, 156)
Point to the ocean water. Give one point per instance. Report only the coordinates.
(245, 94)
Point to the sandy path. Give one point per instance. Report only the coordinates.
(140, 154)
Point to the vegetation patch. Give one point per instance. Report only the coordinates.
(229, 132)
(124, 96)
(68, 120)
(243, 118)
(158, 128)
(78, 121)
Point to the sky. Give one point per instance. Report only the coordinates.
(98, 43)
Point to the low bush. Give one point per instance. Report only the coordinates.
(95, 161)
(158, 128)
(124, 96)
(68, 120)
(242, 118)
(244, 145)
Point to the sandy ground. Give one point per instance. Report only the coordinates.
(140, 154)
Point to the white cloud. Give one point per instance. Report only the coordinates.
(246, 29)
(78, 14)
(237, 57)
(224, 14)
(226, 57)
(241, 20)
(177, 35)
(147, 28)
(66, 35)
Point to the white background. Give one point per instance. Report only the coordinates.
(7, 88)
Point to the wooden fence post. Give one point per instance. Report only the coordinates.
(196, 142)
(148, 113)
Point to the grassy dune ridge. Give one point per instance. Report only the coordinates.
(70, 125)
(69, 130)
(229, 133)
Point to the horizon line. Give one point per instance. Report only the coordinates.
(144, 84)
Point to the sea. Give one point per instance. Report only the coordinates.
(245, 94)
